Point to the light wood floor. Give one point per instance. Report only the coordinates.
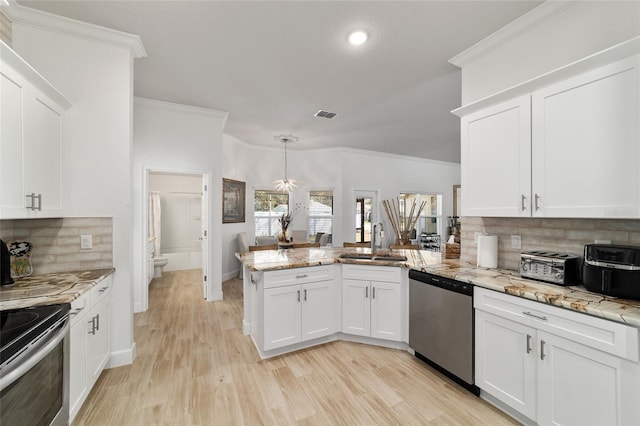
(194, 366)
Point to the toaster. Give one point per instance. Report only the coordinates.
(612, 270)
(556, 268)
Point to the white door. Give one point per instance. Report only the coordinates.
(44, 154)
(281, 316)
(78, 387)
(386, 314)
(506, 361)
(318, 309)
(98, 352)
(577, 385)
(356, 307)
(586, 144)
(496, 160)
(204, 220)
(13, 113)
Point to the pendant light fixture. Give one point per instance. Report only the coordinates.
(286, 184)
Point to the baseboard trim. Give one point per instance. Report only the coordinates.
(246, 327)
(123, 357)
(231, 275)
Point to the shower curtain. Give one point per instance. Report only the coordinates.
(154, 221)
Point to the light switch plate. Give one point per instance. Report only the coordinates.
(86, 242)
(516, 241)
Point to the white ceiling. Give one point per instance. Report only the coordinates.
(272, 65)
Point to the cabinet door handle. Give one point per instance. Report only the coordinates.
(528, 343)
(542, 355)
(523, 200)
(537, 197)
(39, 197)
(302, 276)
(298, 295)
(98, 322)
(31, 206)
(373, 292)
(305, 294)
(93, 326)
(529, 314)
(366, 292)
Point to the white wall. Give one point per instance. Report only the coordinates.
(579, 30)
(177, 138)
(341, 170)
(389, 176)
(97, 78)
(259, 167)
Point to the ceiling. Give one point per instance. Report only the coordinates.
(273, 64)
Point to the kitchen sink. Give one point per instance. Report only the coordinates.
(374, 256)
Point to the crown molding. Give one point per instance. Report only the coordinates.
(213, 113)
(71, 27)
(511, 31)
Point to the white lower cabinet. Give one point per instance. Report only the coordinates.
(78, 379)
(372, 308)
(295, 313)
(89, 342)
(505, 366)
(555, 366)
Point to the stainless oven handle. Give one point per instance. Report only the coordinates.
(35, 358)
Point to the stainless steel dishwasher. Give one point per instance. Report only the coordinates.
(441, 325)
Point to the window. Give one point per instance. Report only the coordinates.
(320, 213)
(268, 208)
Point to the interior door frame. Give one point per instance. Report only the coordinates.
(205, 220)
(364, 193)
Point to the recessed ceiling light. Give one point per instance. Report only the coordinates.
(358, 37)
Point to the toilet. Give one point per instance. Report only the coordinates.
(159, 263)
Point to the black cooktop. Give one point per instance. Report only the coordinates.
(18, 327)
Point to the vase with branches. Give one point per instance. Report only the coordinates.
(403, 220)
(285, 221)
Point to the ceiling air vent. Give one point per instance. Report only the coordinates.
(325, 114)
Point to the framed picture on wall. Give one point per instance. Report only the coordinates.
(233, 193)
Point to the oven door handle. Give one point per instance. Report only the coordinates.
(33, 359)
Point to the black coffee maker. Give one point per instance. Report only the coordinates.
(5, 265)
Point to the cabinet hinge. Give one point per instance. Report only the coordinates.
(205, 278)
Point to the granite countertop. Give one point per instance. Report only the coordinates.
(575, 298)
(48, 289)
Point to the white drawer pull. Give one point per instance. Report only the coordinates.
(529, 314)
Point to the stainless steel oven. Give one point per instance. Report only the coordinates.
(34, 366)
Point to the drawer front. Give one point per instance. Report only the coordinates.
(608, 336)
(295, 276)
(388, 274)
(101, 290)
(79, 308)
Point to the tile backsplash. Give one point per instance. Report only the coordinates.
(56, 242)
(561, 235)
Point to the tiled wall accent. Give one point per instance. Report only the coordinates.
(56, 242)
(562, 235)
(5, 28)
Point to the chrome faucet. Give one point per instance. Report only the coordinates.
(375, 241)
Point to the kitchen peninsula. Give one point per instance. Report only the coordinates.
(575, 298)
(529, 336)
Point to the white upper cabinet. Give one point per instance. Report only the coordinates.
(496, 160)
(571, 149)
(586, 144)
(31, 113)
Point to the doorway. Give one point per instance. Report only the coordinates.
(365, 215)
(176, 224)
